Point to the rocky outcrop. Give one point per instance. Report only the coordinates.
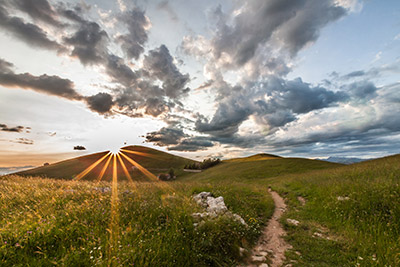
(214, 207)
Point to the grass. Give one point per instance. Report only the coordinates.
(352, 215)
(258, 169)
(45, 222)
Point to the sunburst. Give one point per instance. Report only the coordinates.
(118, 156)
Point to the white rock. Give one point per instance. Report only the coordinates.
(340, 198)
(258, 258)
(293, 222)
(263, 265)
(239, 219)
(214, 208)
(216, 205)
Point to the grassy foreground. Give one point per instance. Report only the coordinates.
(45, 222)
(351, 216)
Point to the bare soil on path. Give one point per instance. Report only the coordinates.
(271, 244)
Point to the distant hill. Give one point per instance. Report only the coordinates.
(345, 160)
(256, 157)
(153, 160)
(259, 166)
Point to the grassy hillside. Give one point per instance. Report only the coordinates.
(240, 170)
(47, 222)
(256, 157)
(351, 217)
(154, 160)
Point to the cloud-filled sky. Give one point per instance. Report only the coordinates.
(307, 78)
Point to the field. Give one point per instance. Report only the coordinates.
(47, 222)
(351, 216)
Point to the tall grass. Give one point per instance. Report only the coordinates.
(355, 210)
(45, 222)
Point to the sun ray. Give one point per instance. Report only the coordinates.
(104, 168)
(114, 224)
(139, 153)
(145, 172)
(125, 169)
(90, 168)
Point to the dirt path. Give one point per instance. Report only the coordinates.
(271, 244)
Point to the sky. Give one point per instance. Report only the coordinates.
(307, 78)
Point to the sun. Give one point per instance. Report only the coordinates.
(115, 150)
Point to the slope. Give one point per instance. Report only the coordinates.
(257, 167)
(350, 217)
(153, 160)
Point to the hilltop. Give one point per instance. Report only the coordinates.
(153, 160)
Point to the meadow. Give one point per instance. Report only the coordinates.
(47, 222)
(351, 216)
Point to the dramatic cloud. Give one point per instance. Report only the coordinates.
(89, 43)
(38, 10)
(27, 32)
(141, 90)
(137, 24)
(176, 139)
(273, 103)
(79, 148)
(159, 63)
(52, 85)
(101, 103)
(257, 24)
(166, 136)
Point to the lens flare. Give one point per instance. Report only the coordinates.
(90, 168)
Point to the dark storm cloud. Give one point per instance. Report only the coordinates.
(165, 136)
(132, 42)
(101, 102)
(176, 139)
(119, 71)
(159, 63)
(24, 141)
(38, 10)
(27, 32)
(79, 148)
(52, 85)
(89, 43)
(16, 129)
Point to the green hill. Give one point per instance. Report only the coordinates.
(259, 166)
(153, 160)
(256, 157)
